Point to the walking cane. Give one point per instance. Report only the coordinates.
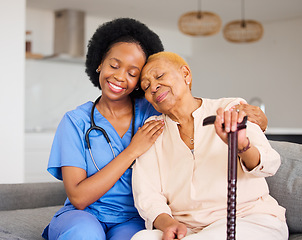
(232, 175)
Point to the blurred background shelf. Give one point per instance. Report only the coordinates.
(30, 55)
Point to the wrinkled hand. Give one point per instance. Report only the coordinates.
(254, 113)
(175, 231)
(230, 119)
(146, 136)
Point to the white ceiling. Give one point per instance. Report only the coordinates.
(167, 12)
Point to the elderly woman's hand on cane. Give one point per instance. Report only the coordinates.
(248, 153)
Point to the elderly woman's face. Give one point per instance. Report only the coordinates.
(164, 84)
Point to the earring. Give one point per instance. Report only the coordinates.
(137, 88)
(98, 69)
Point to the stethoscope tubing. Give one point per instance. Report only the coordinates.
(93, 126)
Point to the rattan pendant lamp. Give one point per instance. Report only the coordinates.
(199, 23)
(241, 31)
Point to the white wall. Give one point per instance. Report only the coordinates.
(270, 69)
(12, 28)
(52, 87)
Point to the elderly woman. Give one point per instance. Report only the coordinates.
(180, 183)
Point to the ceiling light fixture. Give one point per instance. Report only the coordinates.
(243, 30)
(199, 23)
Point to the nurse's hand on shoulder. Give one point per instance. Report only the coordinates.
(254, 113)
(146, 136)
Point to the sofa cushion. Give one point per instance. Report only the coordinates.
(295, 237)
(25, 223)
(33, 195)
(286, 185)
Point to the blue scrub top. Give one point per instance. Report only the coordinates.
(70, 149)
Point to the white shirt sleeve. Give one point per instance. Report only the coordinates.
(269, 158)
(147, 188)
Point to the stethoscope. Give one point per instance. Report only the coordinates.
(98, 128)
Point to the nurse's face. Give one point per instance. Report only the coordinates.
(120, 70)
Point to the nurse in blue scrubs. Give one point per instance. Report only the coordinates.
(98, 184)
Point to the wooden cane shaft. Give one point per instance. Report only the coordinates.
(232, 175)
(232, 182)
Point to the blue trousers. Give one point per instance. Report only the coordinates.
(81, 225)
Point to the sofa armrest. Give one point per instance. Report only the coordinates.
(31, 195)
(286, 185)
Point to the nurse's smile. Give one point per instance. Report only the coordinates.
(115, 88)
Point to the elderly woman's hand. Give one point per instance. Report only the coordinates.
(171, 228)
(230, 119)
(254, 113)
(249, 154)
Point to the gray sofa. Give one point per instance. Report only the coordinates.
(25, 209)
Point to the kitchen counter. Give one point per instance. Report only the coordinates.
(286, 131)
(285, 134)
